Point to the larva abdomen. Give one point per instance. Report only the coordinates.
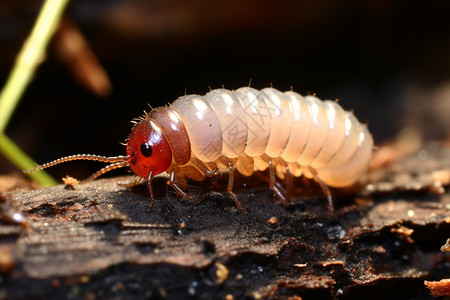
(289, 129)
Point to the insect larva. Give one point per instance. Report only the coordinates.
(244, 130)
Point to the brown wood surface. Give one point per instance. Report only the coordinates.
(96, 240)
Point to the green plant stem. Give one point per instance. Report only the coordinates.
(31, 55)
(21, 160)
(29, 58)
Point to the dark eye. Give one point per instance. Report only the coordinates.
(146, 150)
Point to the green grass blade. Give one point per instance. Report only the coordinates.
(21, 160)
(31, 55)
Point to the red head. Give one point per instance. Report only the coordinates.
(148, 149)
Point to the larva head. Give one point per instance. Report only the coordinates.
(148, 149)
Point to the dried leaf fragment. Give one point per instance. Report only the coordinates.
(70, 180)
(446, 247)
(439, 288)
(221, 273)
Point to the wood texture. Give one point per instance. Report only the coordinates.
(96, 240)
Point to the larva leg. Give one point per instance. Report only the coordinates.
(150, 190)
(202, 167)
(289, 180)
(173, 183)
(324, 188)
(275, 187)
(233, 196)
(130, 184)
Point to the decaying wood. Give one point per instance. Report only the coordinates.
(96, 240)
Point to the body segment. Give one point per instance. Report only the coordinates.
(304, 132)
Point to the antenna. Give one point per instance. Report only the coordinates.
(116, 162)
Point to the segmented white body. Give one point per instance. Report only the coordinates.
(254, 127)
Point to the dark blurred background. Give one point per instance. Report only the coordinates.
(388, 60)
